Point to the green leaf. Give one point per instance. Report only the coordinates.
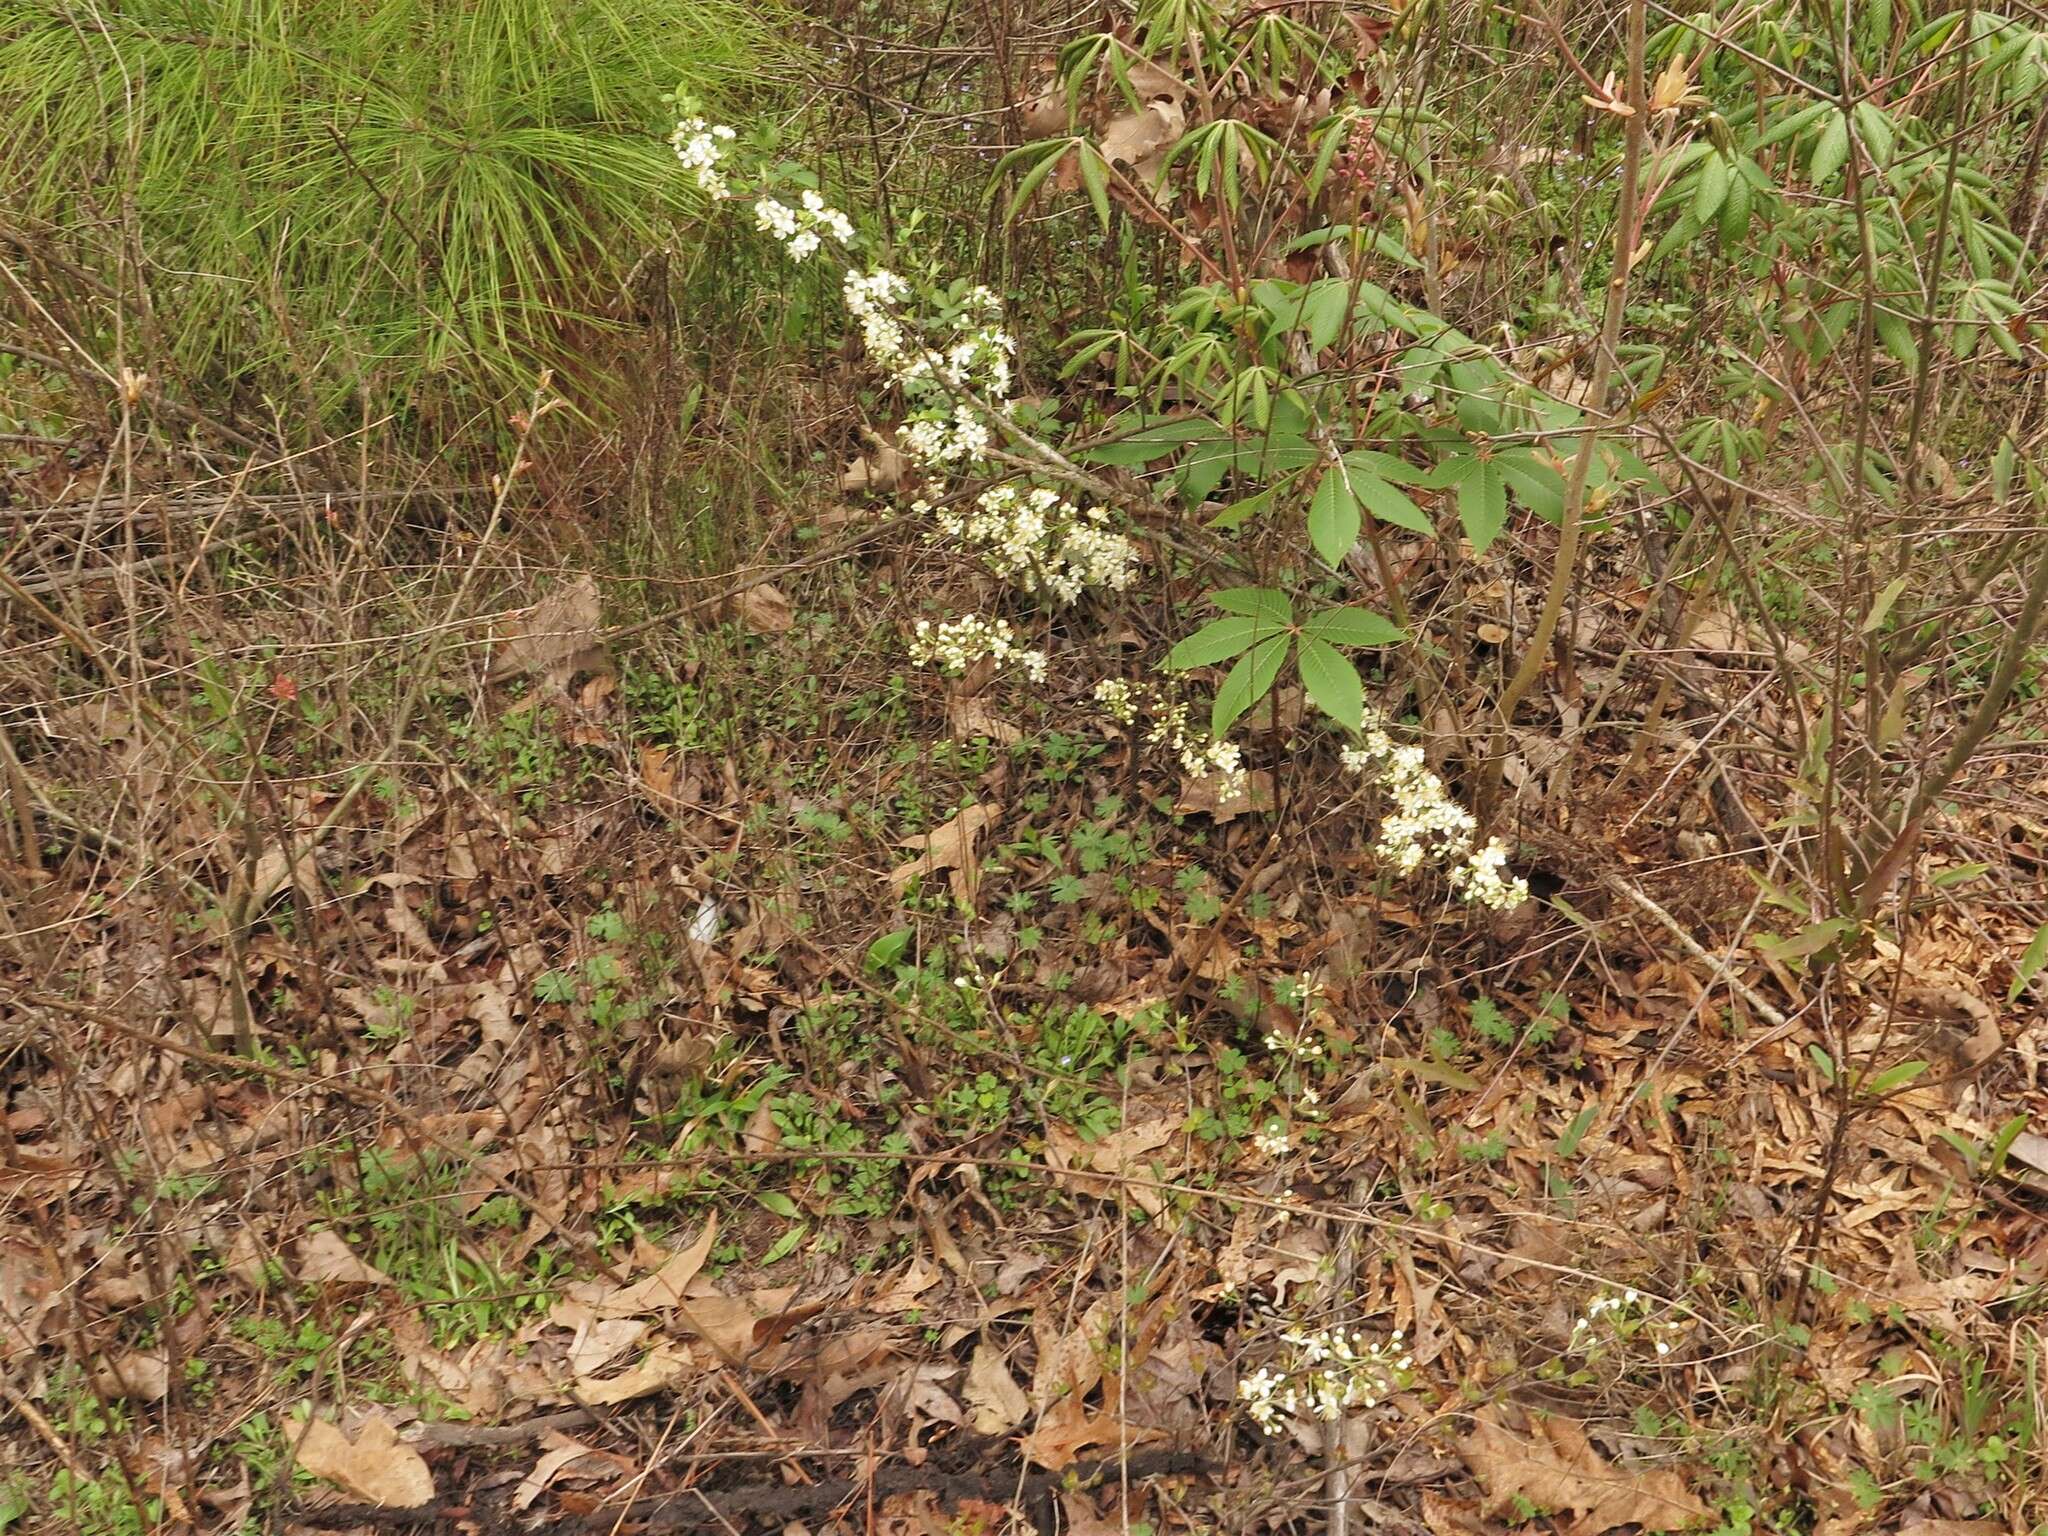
(1710, 188)
(1432, 1072)
(1218, 640)
(1256, 602)
(1249, 681)
(1822, 1061)
(786, 1244)
(1897, 337)
(1384, 466)
(1483, 505)
(2001, 1144)
(1333, 516)
(1536, 483)
(1331, 683)
(1810, 940)
(1387, 503)
(888, 949)
(1894, 1078)
(1568, 1143)
(1882, 606)
(1353, 626)
(775, 1200)
(1155, 440)
(1830, 151)
(2030, 965)
(1735, 211)
(1095, 177)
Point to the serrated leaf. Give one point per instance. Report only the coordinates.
(1390, 504)
(1710, 188)
(1331, 683)
(1249, 681)
(1353, 626)
(1333, 516)
(1256, 602)
(1483, 505)
(1218, 640)
(1095, 177)
(1830, 151)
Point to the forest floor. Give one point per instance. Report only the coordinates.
(691, 1072)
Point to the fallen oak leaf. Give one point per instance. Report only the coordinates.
(1551, 1464)
(997, 1403)
(948, 847)
(326, 1259)
(377, 1467)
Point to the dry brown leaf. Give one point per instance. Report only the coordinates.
(564, 1458)
(1551, 1464)
(763, 609)
(902, 1293)
(1135, 137)
(949, 847)
(969, 718)
(664, 1288)
(554, 639)
(1067, 1429)
(1199, 796)
(377, 1467)
(1151, 82)
(143, 1378)
(878, 471)
(1045, 114)
(1120, 1153)
(997, 1403)
(662, 1369)
(1070, 1364)
(324, 1258)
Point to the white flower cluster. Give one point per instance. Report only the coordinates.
(1041, 544)
(933, 441)
(701, 148)
(802, 230)
(1426, 823)
(1117, 699)
(1624, 1314)
(1200, 754)
(954, 645)
(1321, 1374)
(1273, 1139)
(975, 358)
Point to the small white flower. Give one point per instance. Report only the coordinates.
(1272, 1140)
(954, 645)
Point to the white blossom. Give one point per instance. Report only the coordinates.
(701, 147)
(954, 645)
(1424, 823)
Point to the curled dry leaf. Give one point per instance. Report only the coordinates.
(997, 1403)
(902, 1293)
(949, 847)
(324, 1258)
(877, 471)
(1137, 137)
(1548, 1461)
(376, 1466)
(554, 639)
(140, 1378)
(763, 609)
(1121, 1153)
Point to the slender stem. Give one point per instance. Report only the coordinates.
(1625, 236)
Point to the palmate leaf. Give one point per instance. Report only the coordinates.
(1261, 603)
(1333, 515)
(1353, 626)
(1218, 640)
(1249, 681)
(1331, 682)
